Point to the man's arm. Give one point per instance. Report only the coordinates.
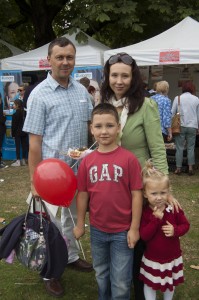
(133, 233)
(34, 156)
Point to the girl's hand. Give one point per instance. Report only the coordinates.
(158, 213)
(174, 203)
(78, 232)
(168, 229)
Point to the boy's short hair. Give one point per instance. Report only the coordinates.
(105, 108)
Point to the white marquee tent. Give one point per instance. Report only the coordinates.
(13, 49)
(177, 45)
(88, 54)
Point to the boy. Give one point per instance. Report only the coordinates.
(111, 178)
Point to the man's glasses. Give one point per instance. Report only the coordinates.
(20, 90)
(121, 57)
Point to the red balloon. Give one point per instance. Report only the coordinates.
(55, 182)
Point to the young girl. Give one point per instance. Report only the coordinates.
(162, 265)
(21, 137)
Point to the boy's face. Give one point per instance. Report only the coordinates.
(105, 129)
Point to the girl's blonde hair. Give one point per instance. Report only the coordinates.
(150, 173)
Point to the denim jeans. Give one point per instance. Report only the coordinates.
(187, 134)
(112, 262)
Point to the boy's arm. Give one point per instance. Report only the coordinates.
(133, 233)
(82, 204)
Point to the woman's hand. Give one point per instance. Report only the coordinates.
(174, 203)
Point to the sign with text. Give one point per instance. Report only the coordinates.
(169, 57)
(7, 78)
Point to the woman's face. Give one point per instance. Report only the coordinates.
(120, 78)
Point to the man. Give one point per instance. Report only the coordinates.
(21, 91)
(57, 115)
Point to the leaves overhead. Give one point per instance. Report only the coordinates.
(33, 23)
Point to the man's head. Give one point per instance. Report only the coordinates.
(61, 57)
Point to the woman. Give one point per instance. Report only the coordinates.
(164, 107)
(2, 130)
(189, 119)
(21, 137)
(140, 121)
(140, 125)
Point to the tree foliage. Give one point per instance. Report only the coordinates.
(32, 23)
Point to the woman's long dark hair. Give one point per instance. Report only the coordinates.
(135, 94)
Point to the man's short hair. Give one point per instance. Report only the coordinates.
(61, 42)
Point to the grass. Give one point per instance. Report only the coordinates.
(17, 282)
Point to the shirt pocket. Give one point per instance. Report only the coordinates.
(83, 110)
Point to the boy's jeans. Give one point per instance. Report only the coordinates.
(113, 264)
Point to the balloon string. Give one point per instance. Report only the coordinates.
(88, 149)
(78, 242)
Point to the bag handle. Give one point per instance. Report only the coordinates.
(42, 205)
(178, 104)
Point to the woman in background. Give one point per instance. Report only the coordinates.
(2, 130)
(189, 119)
(164, 107)
(21, 137)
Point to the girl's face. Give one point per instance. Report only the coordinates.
(120, 78)
(105, 130)
(156, 191)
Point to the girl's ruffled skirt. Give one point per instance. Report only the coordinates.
(162, 276)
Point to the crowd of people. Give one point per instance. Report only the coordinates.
(134, 219)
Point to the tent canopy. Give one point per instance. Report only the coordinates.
(88, 54)
(13, 49)
(177, 45)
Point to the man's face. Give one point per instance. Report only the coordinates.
(62, 62)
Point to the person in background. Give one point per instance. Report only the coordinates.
(92, 92)
(21, 90)
(189, 118)
(34, 82)
(146, 92)
(161, 229)
(58, 112)
(2, 130)
(21, 137)
(153, 90)
(140, 130)
(86, 83)
(164, 107)
(110, 180)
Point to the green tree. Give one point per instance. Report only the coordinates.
(32, 23)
